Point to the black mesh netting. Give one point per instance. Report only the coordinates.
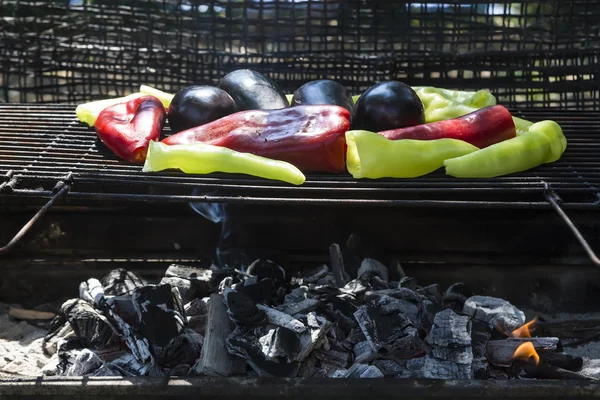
(529, 54)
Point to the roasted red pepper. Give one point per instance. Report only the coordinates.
(311, 137)
(128, 127)
(480, 128)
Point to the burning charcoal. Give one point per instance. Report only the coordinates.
(388, 332)
(242, 309)
(160, 313)
(297, 295)
(432, 368)
(498, 313)
(370, 267)
(280, 343)
(500, 352)
(120, 281)
(450, 338)
(191, 282)
(357, 287)
(546, 371)
(282, 319)
(106, 370)
(123, 306)
(128, 365)
(216, 360)
(432, 292)
(480, 335)
(456, 296)
(389, 368)
(245, 343)
(196, 312)
(336, 260)
(360, 371)
(259, 292)
(267, 269)
(408, 282)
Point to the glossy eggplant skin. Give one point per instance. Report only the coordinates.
(198, 105)
(253, 91)
(388, 105)
(323, 91)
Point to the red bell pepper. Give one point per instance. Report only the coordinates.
(311, 137)
(127, 128)
(480, 128)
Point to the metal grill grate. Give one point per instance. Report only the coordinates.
(43, 144)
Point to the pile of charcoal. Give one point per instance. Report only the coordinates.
(317, 322)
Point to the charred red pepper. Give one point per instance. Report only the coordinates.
(128, 127)
(311, 137)
(481, 128)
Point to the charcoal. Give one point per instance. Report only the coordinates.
(500, 352)
(91, 328)
(183, 350)
(336, 260)
(196, 312)
(480, 335)
(106, 370)
(450, 339)
(432, 368)
(202, 275)
(120, 281)
(546, 371)
(314, 336)
(160, 313)
(364, 353)
(243, 310)
(245, 342)
(389, 368)
(192, 282)
(408, 282)
(337, 359)
(432, 292)
(216, 360)
(123, 306)
(128, 365)
(278, 318)
(456, 295)
(391, 334)
(301, 307)
(51, 341)
(267, 269)
(355, 250)
(91, 291)
(362, 371)
(498, 313)
(370, 267)
(308, 368)
(280, 343)
(185, 288)
(357, 287)
(259, 292)
(78, 362)
(313, 276)
(297, 295)
(561, 360)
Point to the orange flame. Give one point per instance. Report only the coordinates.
(525, 352)
(525, 331)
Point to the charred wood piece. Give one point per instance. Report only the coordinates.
(498, 313)
(336, 261)
(120, 282)
(242, 310)
(500, 352)
(456, 295)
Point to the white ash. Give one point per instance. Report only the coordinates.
(21, 351)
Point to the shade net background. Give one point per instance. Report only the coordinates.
(529, 54)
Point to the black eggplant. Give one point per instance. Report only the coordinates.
(198, 105)
(253, 91)
(388, 105)
(323, 91)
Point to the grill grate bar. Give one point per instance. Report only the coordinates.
(44, 143)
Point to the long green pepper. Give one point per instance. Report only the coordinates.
(200, 158)
(544, 142)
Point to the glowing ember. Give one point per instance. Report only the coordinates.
(526, 330)
(525, 352)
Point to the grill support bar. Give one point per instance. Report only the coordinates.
(554, 200)
(61, 188)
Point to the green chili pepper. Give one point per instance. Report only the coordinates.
(88, 112)
(543, 143)
(370, 155)
(443, 104)
(200, 158)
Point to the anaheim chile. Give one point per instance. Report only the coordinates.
(311, 137)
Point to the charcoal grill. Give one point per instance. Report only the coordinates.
(66, 202)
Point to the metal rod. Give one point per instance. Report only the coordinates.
(552, 199)
(62, 189)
